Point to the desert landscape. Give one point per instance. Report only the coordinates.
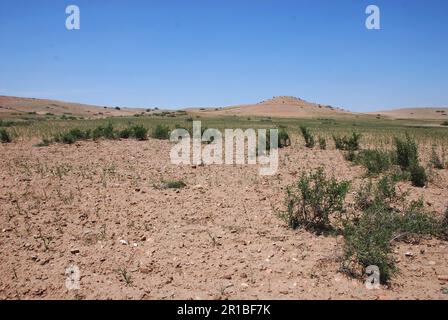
(93, 187)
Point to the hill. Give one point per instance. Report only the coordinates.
(415, 113)
(282, 106)
(12, 107)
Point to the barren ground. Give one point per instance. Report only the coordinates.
(217, 238)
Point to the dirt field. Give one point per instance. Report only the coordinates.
(99, 206)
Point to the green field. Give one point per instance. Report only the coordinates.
(376, 132)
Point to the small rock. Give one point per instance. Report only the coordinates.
(124, 242)
(443, 278)
(74, 251)
(409, 254)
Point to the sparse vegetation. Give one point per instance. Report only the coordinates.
(418, 175)
(369, 237)
(125, 276)
(347, 143)
(283, 138)
(322, 143)
(406, 152)
(375, 161)
(435, 160)
(407, 158)
(138, 132)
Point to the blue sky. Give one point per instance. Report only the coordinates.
(222, 52)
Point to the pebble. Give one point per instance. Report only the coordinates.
(74, 251)
(124, 242)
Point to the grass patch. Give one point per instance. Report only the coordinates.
(322, 143)
(174, 184)
(5, 137)
(435, 160)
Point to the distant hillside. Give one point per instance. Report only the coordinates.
(16, 107)
(415, 113)
(283, 106)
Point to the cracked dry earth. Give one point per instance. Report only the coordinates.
(98, 205)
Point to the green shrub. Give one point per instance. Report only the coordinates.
(283, 138)
(418, 175)
(338, 142)
(352, 143)
(382, 194)
(139, 132)
(367, 241)
(375, 161)
(308, 136)
(106, 132)
(348, 143)
(368, 238)
(161, 132)
(444, 224)
(350, 155)
(72, 136)
(5, 137)
(313, 199)
(406, 152)
(322, 143)
(125, 133)
(435, 160)
(174, 184)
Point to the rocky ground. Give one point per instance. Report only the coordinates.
(101, 206)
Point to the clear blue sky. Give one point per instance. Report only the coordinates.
(221, 52)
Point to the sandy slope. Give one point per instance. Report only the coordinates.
(280, 107)
(15, 106)
(277, 107)
(416, 113)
